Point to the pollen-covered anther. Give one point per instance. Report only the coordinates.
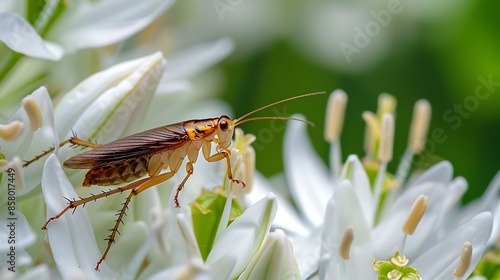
(335, 115)
(345, 243)
(416, 213)
(10, 132)
(32, 109)
(465, 259)
(386, 138)
(419, 125)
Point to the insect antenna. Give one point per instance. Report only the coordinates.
(243, 119)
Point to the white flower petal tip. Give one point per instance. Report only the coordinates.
(244, 236)
(111, 103)
(11, 131)
(419, 125)
(32, 109)
(274, 260)
(21, 37)
(309, 180)
(440, 173)
(335, 115)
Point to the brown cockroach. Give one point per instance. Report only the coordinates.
(147, 153)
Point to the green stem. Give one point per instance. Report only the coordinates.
(11, 59)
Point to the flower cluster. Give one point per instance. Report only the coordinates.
(354, 221)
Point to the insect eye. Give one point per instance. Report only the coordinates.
(223, 125)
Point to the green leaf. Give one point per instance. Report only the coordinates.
(206, 212)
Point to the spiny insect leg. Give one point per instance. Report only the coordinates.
(72, 204)
(189, 170)
(225, 154)
(73, 141)
(145, 184)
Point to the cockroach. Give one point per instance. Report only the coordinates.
(131, 158)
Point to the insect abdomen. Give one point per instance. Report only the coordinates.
(117, 173)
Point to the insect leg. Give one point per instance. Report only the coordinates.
(219, 156)
(72, 140)
(72, 204)
(189, 170)
(138, 188)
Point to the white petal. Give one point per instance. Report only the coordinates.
(274, 260)
(359, 180)
(23, 233)
(31, 144)
(94, 24)
(440, 261)
(388, 232)
(116, 112)
(186, 63)
(306, 174)
(21, 37)
(71, 237)
(441, 172)
(245, 235)
(487, 202)
(345, 211)
(286, 215)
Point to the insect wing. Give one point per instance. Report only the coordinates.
(137, 145)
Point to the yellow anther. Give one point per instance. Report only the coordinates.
(345, 243)
(10, 132)
(335, 115)
(32, 109)
(416, 213)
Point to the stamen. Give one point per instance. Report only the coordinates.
(416, 213)
(10, 132)
(386, 138)
(335, 115)
(372, 134)
(32, 109)
(419, 125)
(465, 259)
(3, 163)
(386, 104)
(345, 243)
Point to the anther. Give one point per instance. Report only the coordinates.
(386, 138)
(345, 243)
(10, 132)
(386, 104)
(335, 115)
(416, 213)
(419, 125)
(32, 109)
(465, 259)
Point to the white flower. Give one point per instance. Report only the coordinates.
(347, 197)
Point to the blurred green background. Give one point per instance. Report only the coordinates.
(429, 50)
